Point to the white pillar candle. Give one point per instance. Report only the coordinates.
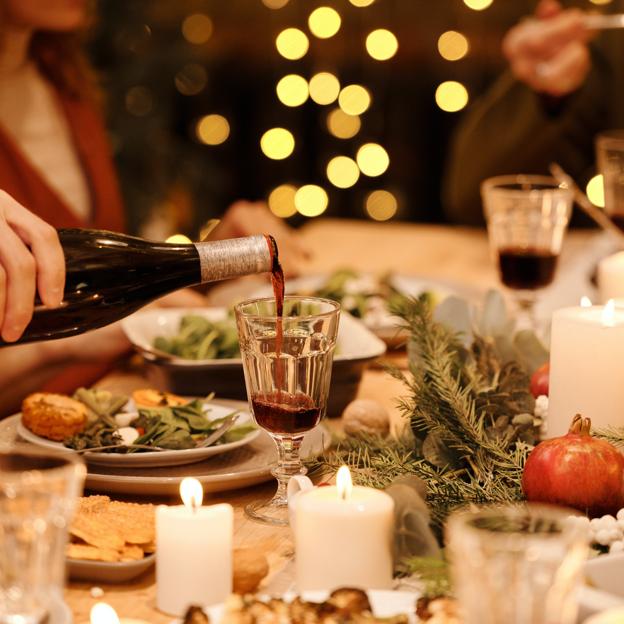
(193, 552)
(611, 277)
(343, 537)
(586, 355)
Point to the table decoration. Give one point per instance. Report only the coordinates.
(586, 345)
(343, 536)
(611, 277)
(103, 613)
(193, 551)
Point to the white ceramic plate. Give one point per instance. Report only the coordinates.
(354, 341)
(385, 603)
(156, 458)
(105, 572)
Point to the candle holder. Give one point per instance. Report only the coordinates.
(288, 383)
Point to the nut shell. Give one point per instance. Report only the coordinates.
(250, 567)
(366, 416)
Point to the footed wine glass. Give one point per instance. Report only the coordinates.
(287, 384)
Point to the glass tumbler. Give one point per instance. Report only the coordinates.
(38, 492)
(527, 217)
(517, 564)
(610, 157)
(287, 384)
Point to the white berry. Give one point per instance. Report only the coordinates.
(595, 524)
(617, 546)
(620, 514)
(541, 406)
(603, 537)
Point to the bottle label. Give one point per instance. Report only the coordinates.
(234, 257)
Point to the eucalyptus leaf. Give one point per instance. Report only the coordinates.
(454, 313)
(494, 320)
(531, 352)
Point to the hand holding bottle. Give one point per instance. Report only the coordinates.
(549, 52)
(31, 260)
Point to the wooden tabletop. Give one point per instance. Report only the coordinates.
(456, 254)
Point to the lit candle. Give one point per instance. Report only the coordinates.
(193, 552)
(343, 537)
(587, 349)
(611, 277)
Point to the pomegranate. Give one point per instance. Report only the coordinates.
(539, 380)
(576, 471)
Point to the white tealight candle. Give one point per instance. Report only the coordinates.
(193, 552)
(611, 277)
(587, 349)
(343, 537)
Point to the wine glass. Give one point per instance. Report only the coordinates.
(517, 563)
(610, 157)
(38, 491)
(287, 384)
(527, 216)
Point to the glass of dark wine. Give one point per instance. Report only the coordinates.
(287, 362)
(527, 216)
(610, 158)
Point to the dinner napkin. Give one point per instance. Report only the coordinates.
(413, 536)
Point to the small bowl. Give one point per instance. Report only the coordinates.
(357, 347)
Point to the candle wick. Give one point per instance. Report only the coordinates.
(343, 494)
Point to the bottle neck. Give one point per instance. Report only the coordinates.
(234, 257)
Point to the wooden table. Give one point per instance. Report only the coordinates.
(441, 252)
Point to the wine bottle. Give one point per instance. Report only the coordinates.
(111, 275)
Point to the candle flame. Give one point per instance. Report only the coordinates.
(344, 485)
(191, 492)
(586, 302)
(103, 613)
(608, 314)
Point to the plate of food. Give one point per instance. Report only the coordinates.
(175, 341)
(110, 541)
(345, 604)
(150, 428)
(370, 298)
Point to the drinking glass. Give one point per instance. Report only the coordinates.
(517, 564)
(610, 157)
(527, 217)
(287, 387)
(38, 492)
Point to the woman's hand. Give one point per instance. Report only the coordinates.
(246, 219)
(31, 260)
(550, 52)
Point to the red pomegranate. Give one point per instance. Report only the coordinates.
(540, 380)
(576, 471)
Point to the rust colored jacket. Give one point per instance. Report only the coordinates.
(23, 182)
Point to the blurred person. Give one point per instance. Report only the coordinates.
(561, 89)
(55, 159)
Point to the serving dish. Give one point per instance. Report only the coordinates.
(604, 589)
(356, 348)
(155, 458)
(103, 572)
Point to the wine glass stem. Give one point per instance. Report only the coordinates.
(526, 309)
(288, 465)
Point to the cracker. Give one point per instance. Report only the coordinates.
(92, 553)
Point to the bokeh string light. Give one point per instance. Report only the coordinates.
(324, 88)
(277, 143)
(361, 3)
(478, 5)
(212, 129)
(292, 44)
(197, 28)
(452, 45)
(275, 4)
(372, 159)
(311, 200)
(282, 201)
(381, 205)
(341, 125)
(292, 90)
(342, 172)
(354, 99)
(324, 22)
(451, 96)
(382, 44)
(595, 191)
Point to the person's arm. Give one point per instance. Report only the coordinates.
(547, 108)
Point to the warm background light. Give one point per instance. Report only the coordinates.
(292, 90)
(324, 88)
(292, 43)
(275, 4)
(191, 79)
(478, 5)
(600, 1)
(139, 101)
(197, 28)
(342, 171)
(452, 45)
(311, 200)
(341, 125)
(324, 22)
(381, 44)
(277, 143)
(451, 96)
(212, 129)
(179, 239)
(354, 99)
(595, 191)
(361, 3)
(381, 205)
(372, 159)
(282, 201)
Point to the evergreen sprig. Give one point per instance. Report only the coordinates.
(470, 417)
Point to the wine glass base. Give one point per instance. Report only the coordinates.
(271, 511)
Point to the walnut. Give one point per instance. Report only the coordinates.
(250, 567)
(366, 416)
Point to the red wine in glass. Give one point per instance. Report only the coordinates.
(526, 268)
(282, 413)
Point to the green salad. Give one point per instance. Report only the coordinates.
(201, 339)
